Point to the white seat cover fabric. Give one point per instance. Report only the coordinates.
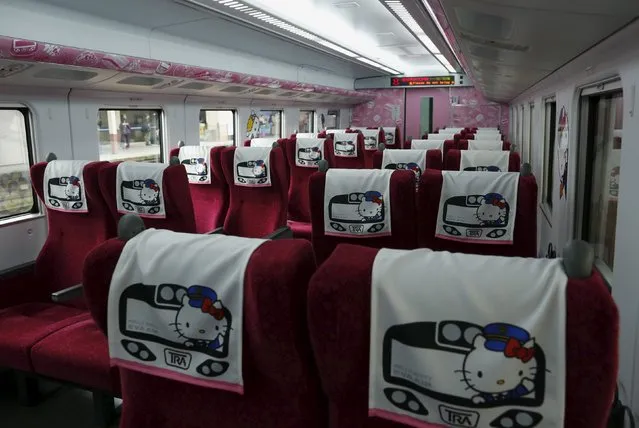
(263, 142)
(484, 160)
(197, 161)
(251, 166)
(389, 135)
(357, 202)
(453, 345)
(478, 207)
(412, 160)
(306, 135)
(175, 307)
(345, 145)
(485, 145)
(63, 186)
(428, 145)
(309, 151)
(370, 138)
(139, 189)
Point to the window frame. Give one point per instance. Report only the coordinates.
(531, 133)
(35, 209)
(550, 137)
(312, 124)
(235, 121)
(161, 122)
(589, 97)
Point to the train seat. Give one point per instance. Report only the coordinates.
(339, 302)
(372, 138)
(338, 159)
(433, 159)
(419, 144)
(256, 211)
(281, 385)
(299, 211)
(463, 145)
(178, 204)
(524, 242)
(392, 137)
(402, 210)
(452, 161)
(211, 200)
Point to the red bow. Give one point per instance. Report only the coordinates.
(515, 350)
(208, 307)
(500, 204)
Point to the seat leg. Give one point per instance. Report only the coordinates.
(103, 409)
(28, 389)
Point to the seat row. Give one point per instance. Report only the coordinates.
(307, 336)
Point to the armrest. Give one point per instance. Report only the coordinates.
(216, 231)
(281, 233)
(68, 293)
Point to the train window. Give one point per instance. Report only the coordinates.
(522, 128)
(531, 112)
(217, 127)
(549, 150)
(16, 194)
(307, 121)
(133, 135)
(599, 172)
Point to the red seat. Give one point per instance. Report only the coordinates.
(59, 265)
(339, 303)
(299, 211)
(463, 145)
(358, 162)
(397, 140)
(177, 199)
(369, 154)
(433, 159)
(403, 217)
(255, 212)
(210, 201)
(525, 234)
(453, 161)
(282, 388)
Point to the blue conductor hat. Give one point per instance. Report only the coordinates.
(498, 334)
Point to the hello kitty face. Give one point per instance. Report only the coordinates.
(200, 166)
(390, 138)
(370, 142)
(492, 210)
(73, 188)
(370, 208)
(204, 325)
(315, 154)
(346, 147)
(150, 191)
(259, 170)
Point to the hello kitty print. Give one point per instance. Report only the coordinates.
(180, 318)
(197, 162)
(309, 151)
(478, 207)
(345, 145)
(357, 203)
(139, 189)
(251, 166)
(64, 186)
(451, 346)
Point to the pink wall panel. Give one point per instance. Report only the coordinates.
(387, 109)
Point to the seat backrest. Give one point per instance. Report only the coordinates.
(178, 204)
(463, 145)
(255, 212)
(282, 388)
(397, 137)
(403, 220)
(298, 197)
(525, 232)
(358, 162)
(210, 201)
(433, 159)
(369, 154)
(339, 304)
(453, 161)
(70, 235)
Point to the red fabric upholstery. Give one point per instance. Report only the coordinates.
(339, 302)
(210, 201)
(17, 286)
(525, 235)
(77, 353)
(403, 217)
(177, 199)
(343, 162)
(453, 161)
(433, 159)
(24, 325)
(255, 212)
(282, 389)
(301, 230)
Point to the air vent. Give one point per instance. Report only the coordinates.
(169, 84)
(484, 24)
(289, 94)
(264, 92)
(196, 86)
(234, 89)
(308, 96)
(346, 4)
(140, 81)
(11, 69)
(494, 43)
(64, 74)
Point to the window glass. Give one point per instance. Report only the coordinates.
(16, 194)
(602, 174)
(265, 123)
(549, 152)
(307, 121)
(530, 132)
(217, 127)
(134, 135)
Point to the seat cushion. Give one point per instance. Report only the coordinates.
(300, 229)
(77, 353)
(24, 325)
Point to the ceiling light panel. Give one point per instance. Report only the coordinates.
(407, 19)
